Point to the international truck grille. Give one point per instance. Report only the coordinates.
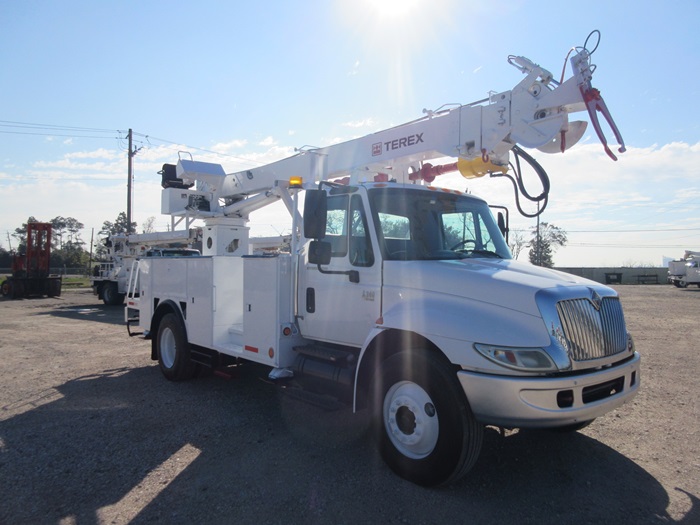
(593, 329)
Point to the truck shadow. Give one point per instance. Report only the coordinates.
(98, 313)
(128, 446)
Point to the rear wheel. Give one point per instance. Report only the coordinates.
(111, 295)
(174, 350)
(425, 428)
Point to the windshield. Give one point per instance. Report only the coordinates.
(425, 225)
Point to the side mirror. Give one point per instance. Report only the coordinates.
(319, 252)
(315, 215)
(503, 224)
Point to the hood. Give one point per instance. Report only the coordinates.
(506, 283)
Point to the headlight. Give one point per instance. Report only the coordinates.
(528, 359)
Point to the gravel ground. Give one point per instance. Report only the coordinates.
(90, 432)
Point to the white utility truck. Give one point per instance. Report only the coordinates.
(109, 279)
(394, 295)
(685, 271)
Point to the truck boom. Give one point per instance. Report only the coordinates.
(534, 114)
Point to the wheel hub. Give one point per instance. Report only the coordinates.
(405, 420)
(411, 419)
(168, 348)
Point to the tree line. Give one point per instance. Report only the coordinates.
(68, 249)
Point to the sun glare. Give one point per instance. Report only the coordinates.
(392, 9)
(391, 36)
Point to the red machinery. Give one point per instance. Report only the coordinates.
(31, 275)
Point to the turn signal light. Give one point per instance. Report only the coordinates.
(295, 182)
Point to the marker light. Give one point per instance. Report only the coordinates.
(295, 182)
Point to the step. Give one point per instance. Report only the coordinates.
(326, 353)
(323, 401)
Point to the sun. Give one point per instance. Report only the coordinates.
(393, 9)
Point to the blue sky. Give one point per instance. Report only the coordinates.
(251, 81)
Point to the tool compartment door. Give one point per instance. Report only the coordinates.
(267, 310)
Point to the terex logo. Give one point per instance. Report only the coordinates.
(380, 147)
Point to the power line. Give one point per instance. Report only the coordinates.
(57, 135)
(635, 231)
(31, 125)
(242, 159)
(617, 231)
(640, 246)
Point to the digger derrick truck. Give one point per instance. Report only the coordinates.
(109, 278)
(396, 296)
(31, 272)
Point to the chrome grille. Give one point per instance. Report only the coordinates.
(591, 332)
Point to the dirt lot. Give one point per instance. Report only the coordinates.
(90, 432)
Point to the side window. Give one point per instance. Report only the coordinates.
(396, 233)
(459, 231)
(466, 231)
(361, 253)
(395, 226)
(336, 225)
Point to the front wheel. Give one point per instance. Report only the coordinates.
(425, 428)
(174, 350)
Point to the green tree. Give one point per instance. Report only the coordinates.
(516, 242)
(74, 226)
(21, 235)
(5, 258)
(544, 243)
(66, 227)
(149, 225)
(118, 226)
(58, 227)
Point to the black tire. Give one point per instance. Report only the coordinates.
(16, 289)
(5, 288)
(174, 350)
(425, 429)
(54, 287)
(111, 295)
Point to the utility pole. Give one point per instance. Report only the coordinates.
(129, 187)
(130, 154)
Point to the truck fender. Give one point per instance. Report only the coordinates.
(380, 344)
(162, 309)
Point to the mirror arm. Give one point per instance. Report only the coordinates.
(353, 275)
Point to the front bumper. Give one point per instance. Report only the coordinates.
(541, 402)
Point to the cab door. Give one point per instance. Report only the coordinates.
(332, 307)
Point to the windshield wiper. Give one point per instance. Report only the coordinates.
(486, 253)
